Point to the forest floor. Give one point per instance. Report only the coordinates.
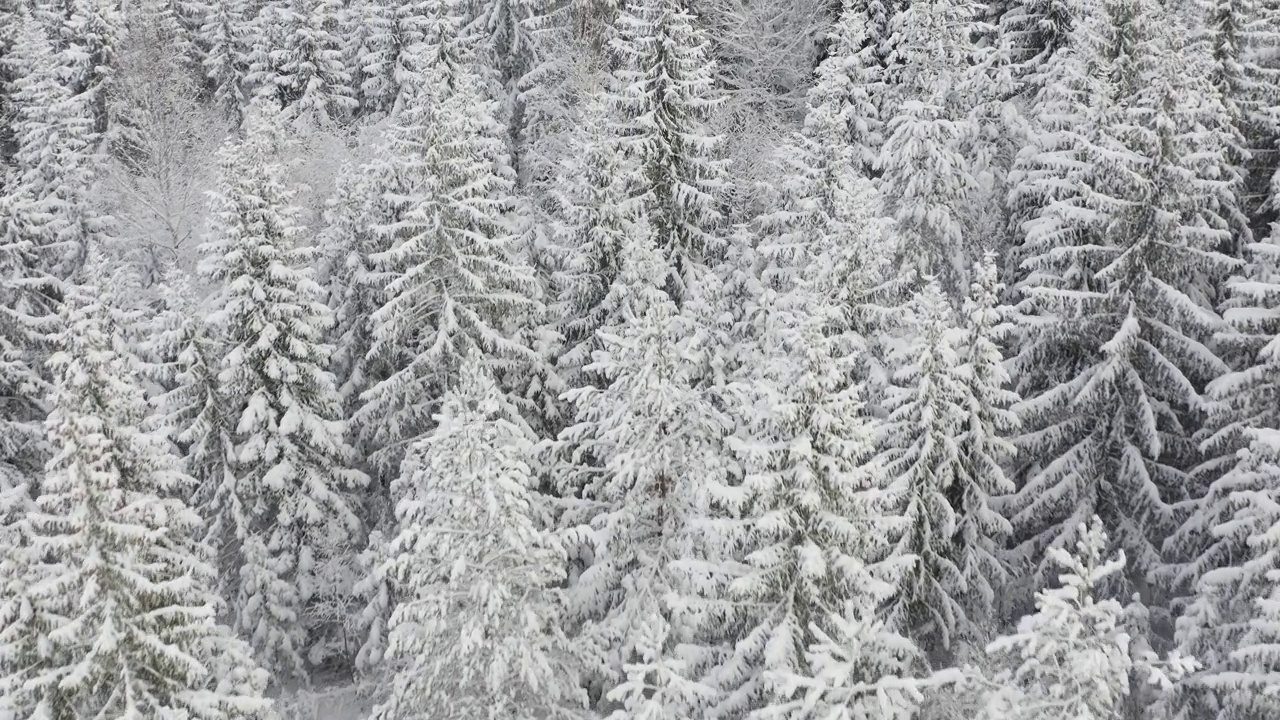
(339, 701)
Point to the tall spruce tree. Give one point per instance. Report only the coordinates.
(1247, 682)
(1031, 33)
(1073, 657)
(478, 631)
(117, 601)
(311, 79)
(842, 107)
(1228, 569)
(354, 287)
(42, 200)
(985, 449)
(815, 518)
(932, 56)
(826, 205)
(926, 188)
(598, 223)
(455, 278)
(918, 448)
(284, 512)
(647, 451)
(1236, 40)
(27, 296)
(1064, 113)
(1112, 350)
(55, 157)
(10, 13)
(664, 91)
(90, 39)
(194, 414)
(509, 49)
(383, 58)
(225, 37)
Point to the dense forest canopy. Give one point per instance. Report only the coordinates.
(643, 360)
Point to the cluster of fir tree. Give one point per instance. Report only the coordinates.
(592, 421)
(109, 606)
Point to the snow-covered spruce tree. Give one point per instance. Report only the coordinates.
(879, 29)
(647, 451)
(932, 57)
(535, 384)
(1112, 351)
(356, 290)
(25, 326)
(268, 24)
(591, 290)
(374, 589)
(598, 222)
(724, 309)
(11, 12)
(1245, 681)
(984, 447)
(1230, 571)
(1213, 146)
(284, 512)
(570, 47)
(18, 627)
(862, 669)
(841, 106)
(311, 80)
(826, 208)
(1237, 40)
(55, 158)
(1070, 101)
(815, 521)
(918, 449)
(1072, 658)
(355, 29)
(508, 49)
(225, 38)
(927, 184)
(456, 280)
(27, 298)
(994, 131)
(361, 225)
(90, 40)
(10, 20)
(1031, 33)
(194, 414)
(664, 92)
(26, 329)
(354, 286)
(118, 608)
(43, 110)
(477, 630)
(42, 199)
(162, 335)
(925, 189)
(382, 60)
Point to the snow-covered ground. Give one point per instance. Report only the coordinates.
(335, 702)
